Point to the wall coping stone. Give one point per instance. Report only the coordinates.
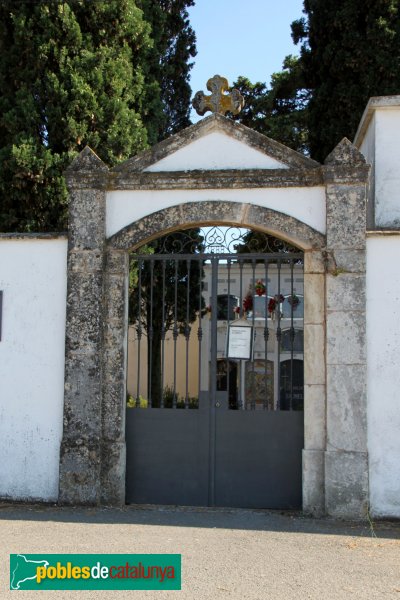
(33, 236)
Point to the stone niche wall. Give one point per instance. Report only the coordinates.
(335, 465)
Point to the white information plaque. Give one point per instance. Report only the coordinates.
(240, 339)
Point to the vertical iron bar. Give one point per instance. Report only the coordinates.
(266, 334)
(163, 333)
(292, 335)
(253, 341)
(175, 330)
(213, 378)
(200, 328)
(139, 330)
(241, 287)
(229, 318)
(241, 404)
(151, 333)
(279, 334)
(187, 332)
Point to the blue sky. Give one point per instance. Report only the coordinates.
(241, 38)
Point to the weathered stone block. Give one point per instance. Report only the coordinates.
(350, 260)
(115, 335)
(114, 407)
(313, 482)
(283, 224)
(314, 353)
(217, 212)
(80, 474)
(82, 360)
(314, 417)
(117, 261)
(346, 484)
(346, 408)
(85, 290)
(346, 216)
(116, 298)
(314, 262)
(86, 219)
(314, 299)
(85, 261)
(113, 473)
(346, 338)
(114, 362)
(82, 400)
(84, 331)
(345, 292)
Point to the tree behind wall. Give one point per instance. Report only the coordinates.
(72, 73)
(350, 51)
(167, 67)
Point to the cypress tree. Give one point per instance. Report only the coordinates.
(350, 52)
(71, 74)
(167, 67)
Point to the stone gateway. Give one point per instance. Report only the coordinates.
(217, 173)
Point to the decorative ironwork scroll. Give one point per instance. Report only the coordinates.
(219, 240)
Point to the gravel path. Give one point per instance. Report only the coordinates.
(226, 554)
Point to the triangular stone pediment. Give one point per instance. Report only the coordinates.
(86, 161)
(345, 153)
(216, 143)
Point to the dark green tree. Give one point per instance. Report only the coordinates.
(278, 111)
(350, 51)
(165, 295)
(167, 67)
(259, 242)
(76, 72)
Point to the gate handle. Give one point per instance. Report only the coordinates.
(217, 404)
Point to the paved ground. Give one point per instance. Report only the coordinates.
(226, 554)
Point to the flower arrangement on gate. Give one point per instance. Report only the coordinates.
(259, 288)
(274, 302)
(294, 301)
(248, 302)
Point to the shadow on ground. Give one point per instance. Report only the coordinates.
(212, 518)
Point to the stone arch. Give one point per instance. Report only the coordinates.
(194, 214)
(184, 216)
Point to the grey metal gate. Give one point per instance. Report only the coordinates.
(215, 408)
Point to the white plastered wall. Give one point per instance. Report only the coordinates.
(378, 138)
(383, 373)
(387, 168)
(305, 204)
(33, 278)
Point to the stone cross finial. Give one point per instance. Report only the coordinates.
(218, 102)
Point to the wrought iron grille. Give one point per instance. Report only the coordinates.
(188, 291)
(219, 240)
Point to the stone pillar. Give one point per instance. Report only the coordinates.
(80, 459)
(314, 384)
(346, 458)
(114, 378)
